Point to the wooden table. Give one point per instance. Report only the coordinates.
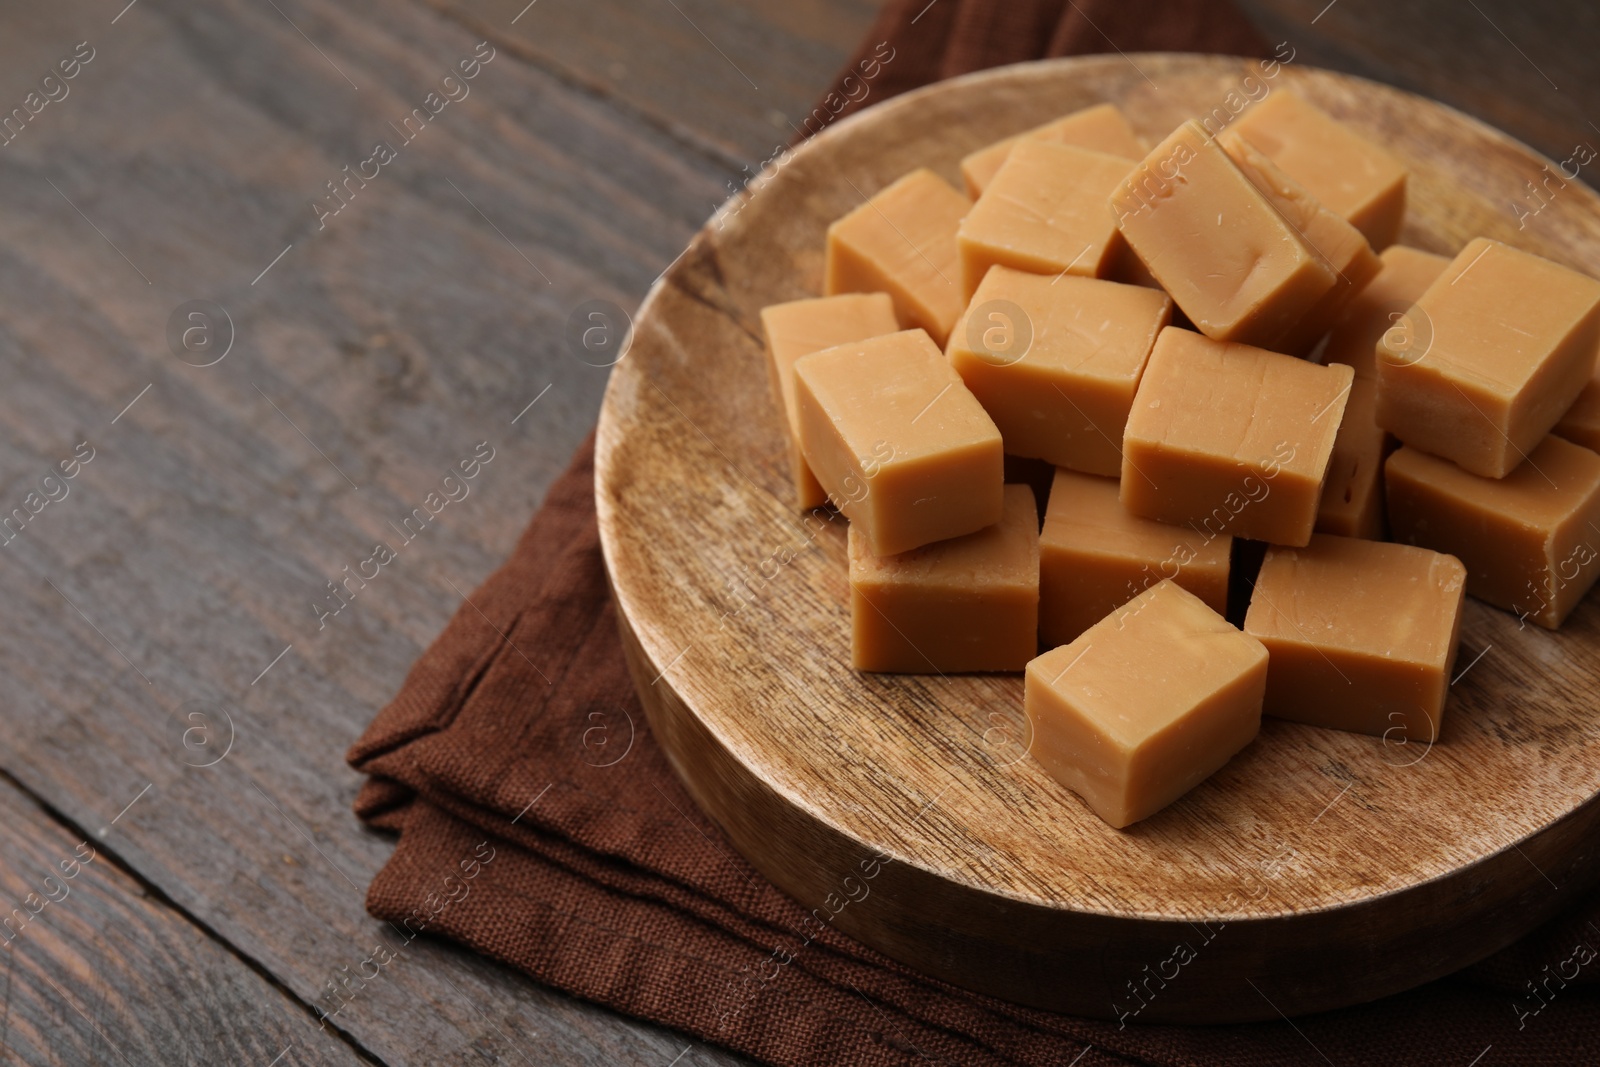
(175, 705)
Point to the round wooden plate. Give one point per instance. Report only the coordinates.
(1317, 869)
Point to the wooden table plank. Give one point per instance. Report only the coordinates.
(370, 358)
(97, 971)
(728, 75)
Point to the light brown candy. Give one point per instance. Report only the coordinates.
(799, 328)
(1360, 635)
(1405, 275)
(898, 442)
(1505, 343)
(1231, 439)
(967, 604)
(1101, 128)
(1238, 270)
(1581, 423)
(1354, 177)
(1056, 361)
(1529, 540)
(1146, 704)
(1094, 557)
(1333, 238)
(902, 241)
(1044, 212)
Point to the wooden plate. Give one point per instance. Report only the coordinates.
(1317, 869)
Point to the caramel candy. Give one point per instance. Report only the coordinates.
(1146, 704)
(1231, 439)
(1334, 239)
(1529, 540)
(1581, 423)
(1355, 178)
(967, 604)
(1234, 265)
(800, 328)
(1405, 275)
(1044, 212)
(1360, 635)
(1055, 362)
(1508, 341)
(900, 445)
(1101, 128)
(902, 241)
(1094, 557)
(1352, 493)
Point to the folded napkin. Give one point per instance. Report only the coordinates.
(540, 824)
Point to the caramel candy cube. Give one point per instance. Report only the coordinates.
(1338, 242)
(1234, 265)
(1352, 493)
(1581, 423)
(1508, 341)
(800, 328)
(1094, 557)
(1360, 635)
(902, 241)
(1529, 540)
(901, 446)
(1055, 362)
(967, 604)
(1146, 704)
(1405, 274)
(1101, 128)
(1231, 439)
(1355, 178)
(1044, 212)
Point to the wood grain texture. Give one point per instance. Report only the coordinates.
(98, 972)
(1342, 866)
(189, 551)
(733, 79)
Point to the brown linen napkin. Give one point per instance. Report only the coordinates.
(539, 823)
